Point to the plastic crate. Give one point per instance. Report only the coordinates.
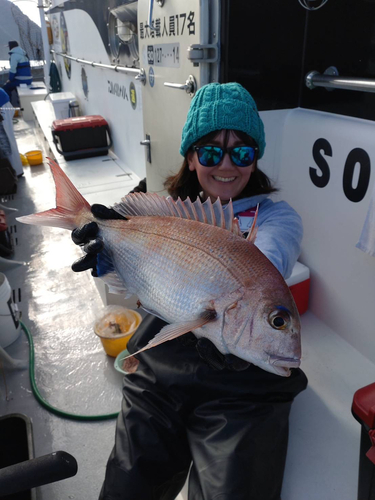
(81, 137)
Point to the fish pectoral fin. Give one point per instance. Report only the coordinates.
(174, 330)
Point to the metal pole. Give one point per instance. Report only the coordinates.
(47, 59)
(315, 79)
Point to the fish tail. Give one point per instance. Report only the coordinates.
(69, 204)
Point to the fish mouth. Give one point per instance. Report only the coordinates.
(283, 362)
(281, 365)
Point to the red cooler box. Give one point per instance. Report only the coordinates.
(363, 410)
(299, 284)
(81, 136)
(6, 240)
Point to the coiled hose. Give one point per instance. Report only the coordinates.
(43, 402)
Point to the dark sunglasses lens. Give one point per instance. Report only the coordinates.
(243, 156)
(209, 156)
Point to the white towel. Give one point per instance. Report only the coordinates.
(366, 242)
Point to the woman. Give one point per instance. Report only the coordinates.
(187, 403)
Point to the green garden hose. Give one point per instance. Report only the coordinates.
(43, 402)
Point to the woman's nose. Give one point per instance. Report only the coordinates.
(226, 162)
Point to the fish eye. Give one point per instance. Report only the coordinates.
(279, 319)
(278, 322)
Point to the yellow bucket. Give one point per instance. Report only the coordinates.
(115, 329)
(34, 157)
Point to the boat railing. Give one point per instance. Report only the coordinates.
(331, 80)
(139, 74)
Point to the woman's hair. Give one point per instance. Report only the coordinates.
(185, 183)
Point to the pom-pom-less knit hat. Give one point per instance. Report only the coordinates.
(218, 106)
(12, 44)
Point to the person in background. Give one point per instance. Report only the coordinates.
(5, 146)
(188, 407)
(7, 136)
(20, 70)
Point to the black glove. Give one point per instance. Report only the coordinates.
(141, 188)
(86, 236)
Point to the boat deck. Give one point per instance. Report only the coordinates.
(74, 374)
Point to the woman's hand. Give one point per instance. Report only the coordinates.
(87, 237)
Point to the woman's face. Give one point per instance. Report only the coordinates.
(226, 180)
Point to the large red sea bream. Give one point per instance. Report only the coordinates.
(189, 264)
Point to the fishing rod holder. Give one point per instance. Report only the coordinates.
(331, 80)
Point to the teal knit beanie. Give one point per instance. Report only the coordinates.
(222, 106)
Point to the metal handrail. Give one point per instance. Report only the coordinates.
(139, 74)
(331, 80)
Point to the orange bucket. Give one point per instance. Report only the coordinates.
(116, 327)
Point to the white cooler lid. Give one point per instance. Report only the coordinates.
(61, 97)
(300, 273)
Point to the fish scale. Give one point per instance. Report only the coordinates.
(145, 250)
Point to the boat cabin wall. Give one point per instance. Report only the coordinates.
(84, 33)
(322, 164)
(320, 150)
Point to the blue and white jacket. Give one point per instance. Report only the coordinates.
(4, 98)
(279, 233)
(20, 71)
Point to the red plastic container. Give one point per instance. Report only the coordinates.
(300, 292)
(81, 136)
(3, 222)
(6, 240)
(299, 284)
(363, 410)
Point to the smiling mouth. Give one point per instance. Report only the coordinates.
(223, 179)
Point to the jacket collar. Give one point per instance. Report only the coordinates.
(246, 203)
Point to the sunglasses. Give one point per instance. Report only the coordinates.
(210, 156)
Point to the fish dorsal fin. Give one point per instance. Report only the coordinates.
(254, 228)
(152, 205)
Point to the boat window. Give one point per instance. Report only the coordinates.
(123, 34)
(269, 47)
